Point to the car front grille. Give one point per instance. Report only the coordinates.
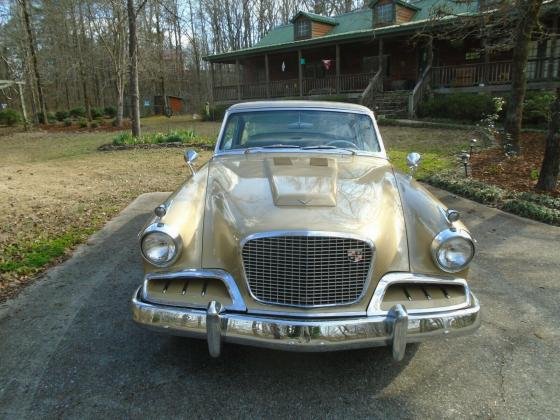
(307, 270)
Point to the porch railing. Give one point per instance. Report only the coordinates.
(318, 86)
(419, 91)
(283, 88)
(346, 83)
(354, 82)
(493, 73)
(375, 85)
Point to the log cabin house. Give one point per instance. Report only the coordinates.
(375, 56)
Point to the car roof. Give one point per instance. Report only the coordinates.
(264, 105)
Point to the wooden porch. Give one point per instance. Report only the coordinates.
(308, 86)
(478, 77)
(493, 76)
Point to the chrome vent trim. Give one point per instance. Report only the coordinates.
(307, 268)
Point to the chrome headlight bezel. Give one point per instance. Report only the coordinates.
(445, 236)
(171, 232)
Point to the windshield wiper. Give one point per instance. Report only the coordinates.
(324, 146)
(281, 146)
(272, 146)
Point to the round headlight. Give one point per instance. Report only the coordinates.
(160, 248)
(452, 250)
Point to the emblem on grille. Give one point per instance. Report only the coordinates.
(355, 255)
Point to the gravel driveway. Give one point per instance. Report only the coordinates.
(68, 347)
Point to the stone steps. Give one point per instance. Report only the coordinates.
(393, 104)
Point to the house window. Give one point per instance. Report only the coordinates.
(385, 13)
(302, 29)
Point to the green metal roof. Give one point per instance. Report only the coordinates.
(357, 24)
(315, 17)
(400, 2)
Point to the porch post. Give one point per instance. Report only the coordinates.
(267, 76)
(300, 73)
(553, 46)
(337, 64)
(212, 83)
(238, 70)
(380, 60)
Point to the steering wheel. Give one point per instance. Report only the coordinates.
(344, 142)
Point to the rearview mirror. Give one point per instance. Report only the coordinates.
(412, 161)
(190, 157)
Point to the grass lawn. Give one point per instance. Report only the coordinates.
(57, 188)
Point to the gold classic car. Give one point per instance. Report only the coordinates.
(300, 235)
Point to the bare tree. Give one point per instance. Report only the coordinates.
(34, 64)
(132, 11)
(109, 21)
(527, 19)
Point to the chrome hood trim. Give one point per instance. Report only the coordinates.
(240, 202)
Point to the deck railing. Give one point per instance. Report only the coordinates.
(374, 87)
(493, 73)
(419, 91)
(346, 83)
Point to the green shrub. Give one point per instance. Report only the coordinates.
(467, 187)
(181, 136)
(533, 211)
(110, 111)
(67, 122)
(97, 113)
(177, 136)
(536, 107)
(51, 117)
(78, 112)
(62, 115)
(542, 199)
(82, 122)
(9, 117)
(125, 138)
(458, 106)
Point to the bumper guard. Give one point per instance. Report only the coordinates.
(396, 328)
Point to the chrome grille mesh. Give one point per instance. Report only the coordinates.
(307, 270)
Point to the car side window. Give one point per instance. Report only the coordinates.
(229, 133)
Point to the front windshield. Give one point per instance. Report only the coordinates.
(306, 129)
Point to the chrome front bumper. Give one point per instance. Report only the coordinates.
(396, 328)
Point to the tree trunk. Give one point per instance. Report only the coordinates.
(133, 69)
(528, 16)
(80, 46)
(548, 177)
(120, 101)
(31, 43)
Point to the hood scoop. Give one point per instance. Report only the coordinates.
(304, 182)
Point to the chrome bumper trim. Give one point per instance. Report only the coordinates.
(396, 328)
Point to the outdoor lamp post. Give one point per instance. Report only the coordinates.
(464, 157)
(473, 145)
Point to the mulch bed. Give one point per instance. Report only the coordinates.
(517, 173)
(111, 147)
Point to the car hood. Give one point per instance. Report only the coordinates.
(326, 192)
